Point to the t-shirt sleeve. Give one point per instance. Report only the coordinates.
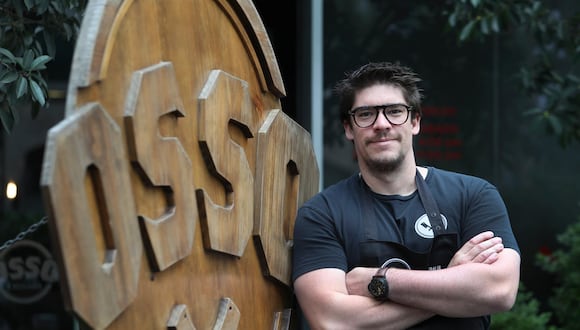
(487, 211)
(316, 243)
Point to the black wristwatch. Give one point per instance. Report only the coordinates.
(378, 287)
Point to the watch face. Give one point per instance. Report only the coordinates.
(377, 287)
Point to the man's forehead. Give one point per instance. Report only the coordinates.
(379, 94)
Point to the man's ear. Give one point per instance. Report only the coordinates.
(348, 130)
(416, 123)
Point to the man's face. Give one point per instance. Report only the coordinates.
(382, 146)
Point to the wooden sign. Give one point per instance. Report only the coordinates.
(173, 181)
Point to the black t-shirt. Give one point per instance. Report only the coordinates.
(334, 228)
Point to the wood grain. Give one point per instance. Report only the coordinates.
(172, 156)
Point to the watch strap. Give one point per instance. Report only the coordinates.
(380, 277)
(381, 272)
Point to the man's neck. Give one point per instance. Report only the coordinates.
(400, 181)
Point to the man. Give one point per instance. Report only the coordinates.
(366, 252)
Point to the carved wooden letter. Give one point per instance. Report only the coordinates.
(179, 319)
(286, 175)
(154, 93)
(224, 100)
(99, 241)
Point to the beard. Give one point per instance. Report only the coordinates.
(385, 164)
(381, 163)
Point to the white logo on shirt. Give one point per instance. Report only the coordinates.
(423, 226)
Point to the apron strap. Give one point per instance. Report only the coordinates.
(430, 205)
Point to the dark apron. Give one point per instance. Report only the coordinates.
(375, 253)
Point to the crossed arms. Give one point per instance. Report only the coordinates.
(482, 278)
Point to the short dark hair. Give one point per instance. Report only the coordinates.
(379, 73)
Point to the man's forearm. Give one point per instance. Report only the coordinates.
(467, 290)
(359, 312)
(327, 304)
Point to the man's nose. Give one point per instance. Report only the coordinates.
(381, 121)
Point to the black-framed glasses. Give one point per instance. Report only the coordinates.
(396, 114)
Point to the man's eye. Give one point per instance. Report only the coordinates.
(364, 114)
(395, 112)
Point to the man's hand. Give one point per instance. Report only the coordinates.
(357, 281)
(482, 248)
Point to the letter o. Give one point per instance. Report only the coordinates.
(89, 138)
(286, 176)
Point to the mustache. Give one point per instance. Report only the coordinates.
(381, 137)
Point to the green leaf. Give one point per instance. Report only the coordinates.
(42, 7)
(37, 47)
(15, 111)
(8, 54)
(21, 87)
(28, 39)
(58, 6)
(466, 31)
(27, 60)
(39, 62)
(452, 19)
(29, 4)
(18, 61)
(37, 92)
(495, 24)
(573, 78)
(9, 77)
(50, 43)
(68, 31)
(484, 26)
(475, 3)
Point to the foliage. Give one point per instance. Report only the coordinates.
(552, 79)
(565, 298)
(564, 265)
(28, 30)
(525, 315)
(553, 82)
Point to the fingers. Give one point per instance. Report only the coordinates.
(481, 237)
(481, 243)
(482, 248)
(490, 255)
